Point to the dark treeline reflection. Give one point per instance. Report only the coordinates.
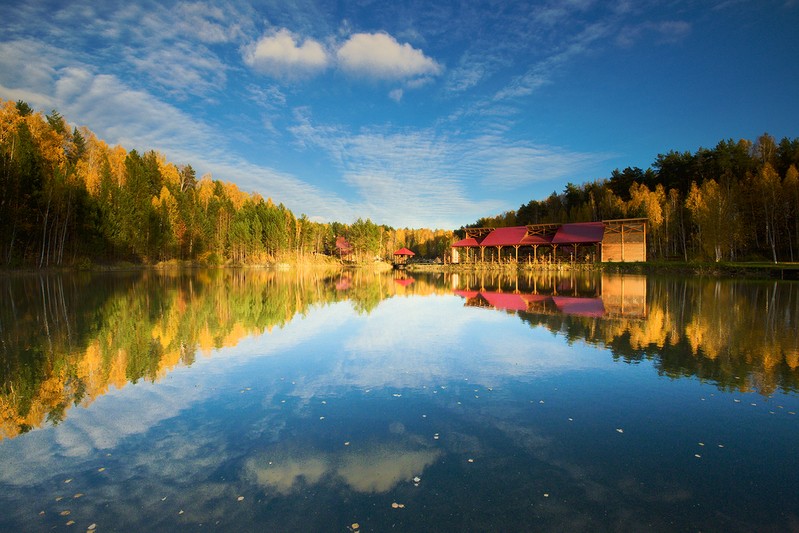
(741, 335)
(66, 339)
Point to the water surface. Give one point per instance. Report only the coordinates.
(255, 400)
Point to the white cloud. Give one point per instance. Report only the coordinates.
(281, 55)
(380, 56)
(396, 94)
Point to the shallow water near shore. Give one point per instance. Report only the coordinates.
(252, 400)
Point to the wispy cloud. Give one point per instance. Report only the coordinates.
(437, 179)
(541, 72)
(403, 178)
(181, 68)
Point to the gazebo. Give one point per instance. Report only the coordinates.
(401, 257)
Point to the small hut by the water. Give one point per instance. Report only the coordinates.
(401, 257)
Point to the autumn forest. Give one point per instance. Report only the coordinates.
(69, 199)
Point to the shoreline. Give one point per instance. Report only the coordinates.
(754, 270)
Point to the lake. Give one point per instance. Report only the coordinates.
(253, 400)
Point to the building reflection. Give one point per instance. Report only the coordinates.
(578, 294)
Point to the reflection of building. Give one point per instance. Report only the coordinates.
(610, 296)
(624, 295)
(611, 240)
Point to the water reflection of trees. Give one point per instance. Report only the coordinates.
(66, 339)
(741, 335)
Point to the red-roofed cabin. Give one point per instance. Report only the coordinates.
(401, 257)
(620, 240)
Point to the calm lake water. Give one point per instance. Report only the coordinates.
(247, 400)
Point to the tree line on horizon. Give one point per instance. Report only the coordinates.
(737, 201)
(67, 198)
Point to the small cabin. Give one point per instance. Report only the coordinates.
(401, 257)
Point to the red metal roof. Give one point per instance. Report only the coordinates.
(465, 243)
(466, 294)
(530, 240)
(579, 233)
(505, 300)
(509, 236)
(404, 251)
(580, 306)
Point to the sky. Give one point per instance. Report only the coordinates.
(409, 113)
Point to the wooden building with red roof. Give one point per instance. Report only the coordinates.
(609, 240)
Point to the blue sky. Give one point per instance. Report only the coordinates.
(411, 113)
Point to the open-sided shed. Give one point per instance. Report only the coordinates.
(618, 240)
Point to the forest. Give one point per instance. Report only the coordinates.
(69, 199)
(738, 201)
